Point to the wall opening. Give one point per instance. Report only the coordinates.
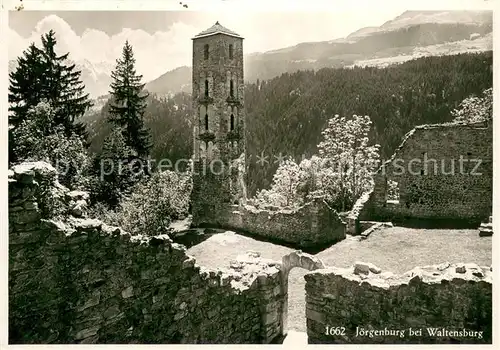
(230, 51)
(231, 126)
(294, 303)
(295, 312)
(205, 51)
(392, 194)
(206, 122)
(206, 88)
(231, 88)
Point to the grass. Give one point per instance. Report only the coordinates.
(394, 249)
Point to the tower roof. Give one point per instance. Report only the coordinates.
(217, 29)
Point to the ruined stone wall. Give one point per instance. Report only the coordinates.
(435, 192)
(75, 280)
(366, 306)
(313, 224)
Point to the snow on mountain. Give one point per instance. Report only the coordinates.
(412, 34)
(362, 32)
(410, 18)
(12, 65)
(441, 17)
(407, 36)
(478, 44)
(95, 76)
(95, 69)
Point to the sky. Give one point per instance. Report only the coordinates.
(162, 39)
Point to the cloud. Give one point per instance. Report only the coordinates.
(17, 44)
(155, 53)
(161, 51)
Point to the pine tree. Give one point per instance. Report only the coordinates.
(113, 177)
(25, 85)
(43, 76)
(129, 102)
(64, 89)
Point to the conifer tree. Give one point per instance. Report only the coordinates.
(64, 88)
(43, 76)
(129, 102)
(113, 175)
(25, 85)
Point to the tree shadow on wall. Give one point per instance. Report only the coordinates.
(196, 236)
(451, 223)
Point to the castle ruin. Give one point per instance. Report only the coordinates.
(219, 196)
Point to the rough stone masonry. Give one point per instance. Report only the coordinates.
(433, 186)
(311, 225)
(447, 303)
(219, 123)
(75, 280)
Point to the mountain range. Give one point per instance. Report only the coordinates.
(411, 35)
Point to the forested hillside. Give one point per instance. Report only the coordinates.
(169, 121)
(286, 114)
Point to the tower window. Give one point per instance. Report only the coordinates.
(206, 88)
(206, 122)
(230, 51)
(205, 51)
(231, 89)
(232, 122)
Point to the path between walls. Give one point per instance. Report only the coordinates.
(294, 338)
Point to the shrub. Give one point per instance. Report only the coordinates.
(39, 138)
(475, 109)
(152, 205)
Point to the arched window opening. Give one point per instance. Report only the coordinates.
(392, 192)
(210, 150)
(206, 122)
(203, 149)
(230, 51)
(205, 51)
(206, 88)
(231, 88)
(232, 122)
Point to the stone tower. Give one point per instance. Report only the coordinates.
(219, 125)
